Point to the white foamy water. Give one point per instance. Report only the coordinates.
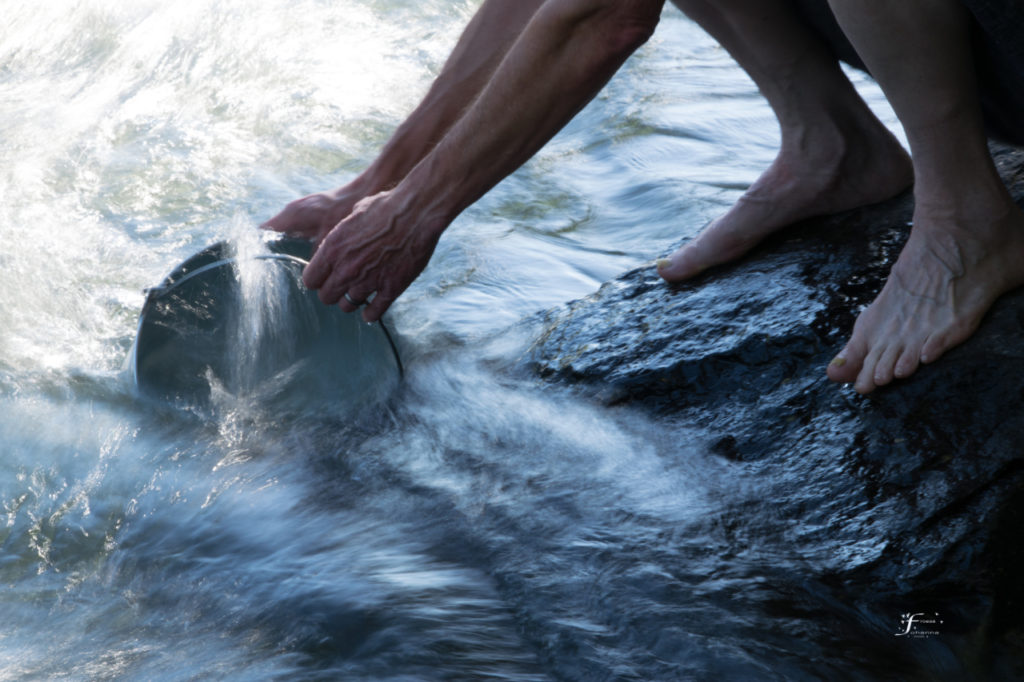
(475, 526)
(262, 322)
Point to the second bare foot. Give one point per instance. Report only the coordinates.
(947, 277)
(827, 169)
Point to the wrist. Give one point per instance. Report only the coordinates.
(427, 205)
(399, 156)
(373, 180)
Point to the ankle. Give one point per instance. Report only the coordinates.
(963, 194)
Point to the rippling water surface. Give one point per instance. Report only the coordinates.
(478, 525)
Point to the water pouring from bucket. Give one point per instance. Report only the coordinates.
(235, 320)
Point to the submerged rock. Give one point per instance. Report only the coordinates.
(908, 499)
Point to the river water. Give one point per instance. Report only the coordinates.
(477, 525)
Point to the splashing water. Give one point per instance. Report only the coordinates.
(260, 329)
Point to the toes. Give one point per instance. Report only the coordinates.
(715, 245)
(865, 382)
(934, 348)
(840, 369)
(908, 363)
(879, 367)
(680, 266)
(885, 368)
(845, 367)
(939, 343)
(724, 240)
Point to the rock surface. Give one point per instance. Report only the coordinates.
(911, 497)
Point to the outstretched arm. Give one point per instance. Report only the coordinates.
(482, 46)
(564, 56)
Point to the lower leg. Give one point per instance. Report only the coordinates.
(966, 247)
(834, 155)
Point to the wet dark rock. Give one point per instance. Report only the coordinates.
(909, 499)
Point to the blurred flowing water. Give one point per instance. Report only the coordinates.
(478, 525)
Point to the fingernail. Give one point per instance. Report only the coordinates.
(662, 263)
(839, 361)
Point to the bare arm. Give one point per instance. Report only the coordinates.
(481, 47)
(567, 52)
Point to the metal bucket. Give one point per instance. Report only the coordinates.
(203, 334)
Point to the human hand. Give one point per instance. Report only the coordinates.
(377, 250)
(313, 217)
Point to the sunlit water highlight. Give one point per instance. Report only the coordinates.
(477, 524)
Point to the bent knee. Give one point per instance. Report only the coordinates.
(625, 24)
(636, 22)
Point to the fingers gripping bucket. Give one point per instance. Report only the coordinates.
(243, 324)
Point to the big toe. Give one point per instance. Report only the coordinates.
(846, 366)
(681, 265)
(840, 370)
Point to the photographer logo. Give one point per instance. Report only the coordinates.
(919, 625)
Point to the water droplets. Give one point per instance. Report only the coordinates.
(259, 329)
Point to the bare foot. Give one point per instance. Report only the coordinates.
(833, 167)
(949, 274)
